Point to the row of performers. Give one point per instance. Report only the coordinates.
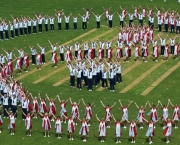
(103, 123)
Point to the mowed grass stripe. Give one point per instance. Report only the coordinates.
(50, 74)
(159, 80)
(66, 78)
(48, 63)
(129, 68)
(140, 78)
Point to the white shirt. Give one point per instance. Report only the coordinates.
(75, 19)
(40, 20)
(98, 18)
(110, 17)
(162, 42)
(51, 20)
(9, 55)
(33, 51)
(67, 19)
(5, 100)
(42, 50)
(84, 19)
(61, 49)
(121, 18)
(59, 19)
(24, 104)
(14, 102)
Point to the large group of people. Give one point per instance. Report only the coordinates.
(14, 97)
(26, 25)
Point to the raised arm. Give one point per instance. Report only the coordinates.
(129, 104)
(97, 117)
(23, 112)
(102, 104)
(83, 102)
(40, 114)
(58, 98)
(113, 118)
(31, 95)
(160, 103)
(149, 104)
(47, 97)
(113, 105)
(136, 105)
(145, 119)
(170, 102)
(53, 115)
(120, 103)
(70, 100)
(79, 102)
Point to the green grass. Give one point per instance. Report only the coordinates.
(167, 89)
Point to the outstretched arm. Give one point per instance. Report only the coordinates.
(70, 100)
(113, 118)
(129, 104)
(79, 102)
(170, 102)
(97, 117)
(120, 103)
(102, 104)
(136, 105)
(47, 97)
(83, 102)
(113, 105)
(160, 103)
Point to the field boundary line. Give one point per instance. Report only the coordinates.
(159, 80)
(48, 75)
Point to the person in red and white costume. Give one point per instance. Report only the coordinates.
(28, 123)
(68, 55)
(87, 13)
(126, 52)
(58, 126)
(176, 113)
(132, 130)
(136, 37)
(153, 112)
(26, 62)
(90, 53)
(54, 59)
(165, 112)
(124, 12)
(102, 128)
(150, 131)
(145, 51)
(140, 116)
(52, 107)
(58, 13)
(84, 130)
(39, 60)
(35, 106)
(109, 54)
(156, 52)
(108, 116)
(100, 53)
(18, 64)
(88, 113)
(136, 52)
(135, 11)
(176, 51)
(168, 129)
(42, 106)
(71, 127)
(143, 11)
(118, 131)
(12, 124)
(125, 113)
(106, 13)
(46, 124)
(75, 110)
(166, 52)
(63, 111)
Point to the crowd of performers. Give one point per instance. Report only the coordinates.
(14, 97)
(93, 60)
(25, 25)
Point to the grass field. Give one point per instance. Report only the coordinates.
(161, 79)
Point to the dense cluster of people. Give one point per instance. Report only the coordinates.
(14, 96)
(25, 25)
